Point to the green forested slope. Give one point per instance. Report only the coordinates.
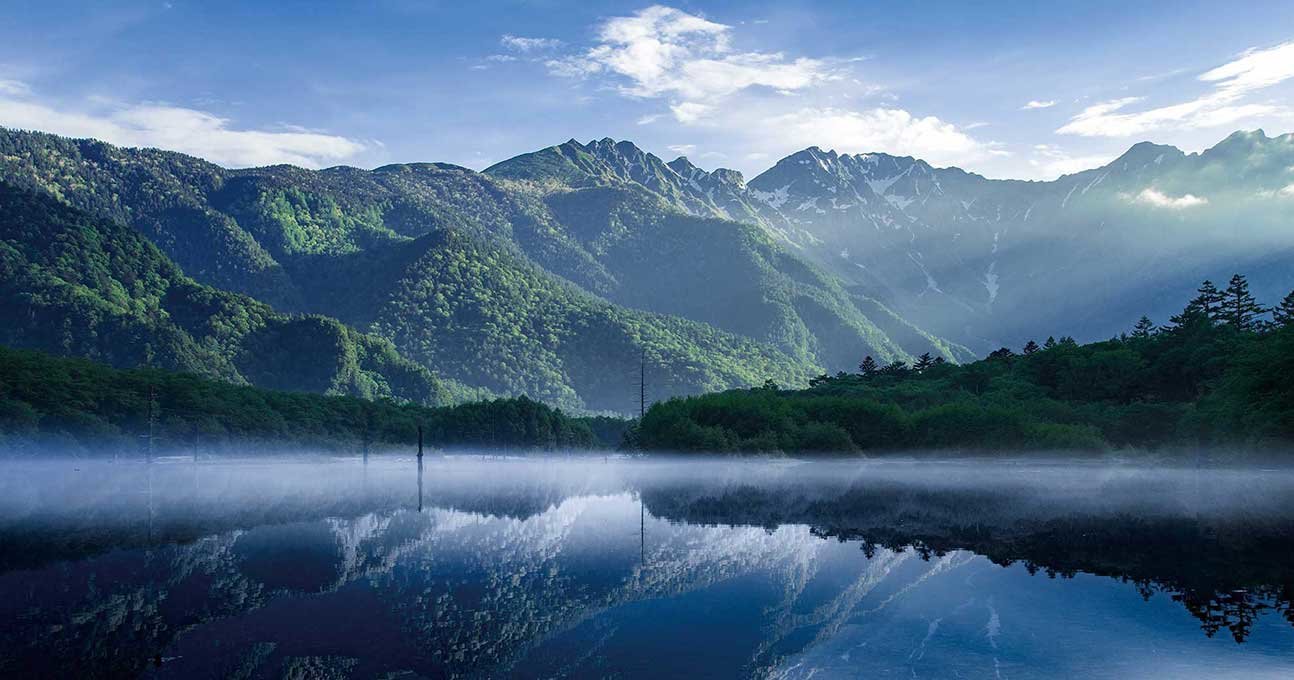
(74, 284)
(338, 242)
(667, 253)
(477, 311)
(61, 401)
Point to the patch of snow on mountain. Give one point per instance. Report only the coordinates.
(931, 284)
(880, 186)
(1071, 193)
(990, 281)
(774, 199)
(900, 202)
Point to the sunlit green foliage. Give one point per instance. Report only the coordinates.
(83, 286)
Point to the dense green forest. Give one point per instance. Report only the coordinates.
(78, 285)
(76, 404)
(532, 282)
(1220, 372)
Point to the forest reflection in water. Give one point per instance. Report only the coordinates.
(643, 567)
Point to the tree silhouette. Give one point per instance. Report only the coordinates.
(896, 369)
(1209, 300)
(1283, 314)
(1001, 353)
(1238, 308)
(1144, 328)
(1030, 347)
(868, 368)
(1050, 343)
(923, 362)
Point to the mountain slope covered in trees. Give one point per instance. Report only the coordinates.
(75, 284)
(671, 249)
(506, 303)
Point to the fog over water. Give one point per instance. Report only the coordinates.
(642, 567)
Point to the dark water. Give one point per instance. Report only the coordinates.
(509, 568)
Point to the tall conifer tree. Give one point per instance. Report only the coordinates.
(1238, 307)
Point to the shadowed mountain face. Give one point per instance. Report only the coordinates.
(470, 568)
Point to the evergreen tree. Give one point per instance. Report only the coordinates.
(1050, 343)
(1283, 314)
(940, 361)
(923, 362)
(1238, 307)
(868, 368)
(1030, 347)
(1144, 328)
(1208, 301)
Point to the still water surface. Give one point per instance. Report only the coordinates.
(643, 568)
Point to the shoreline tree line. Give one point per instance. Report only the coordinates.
(1221, 372)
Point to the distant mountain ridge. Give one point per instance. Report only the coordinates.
(988, 262)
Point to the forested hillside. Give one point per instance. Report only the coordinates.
(79, 285)
(644, 223)
(354, 245)
(1218, 373)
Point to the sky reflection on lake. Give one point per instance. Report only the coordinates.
(634, 568)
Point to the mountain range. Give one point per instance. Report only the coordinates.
(555, 273)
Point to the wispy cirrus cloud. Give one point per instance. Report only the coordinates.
(175, 128)
(518, 43)
(1225, 104)
(1038, 104)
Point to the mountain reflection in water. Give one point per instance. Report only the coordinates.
(643, 568)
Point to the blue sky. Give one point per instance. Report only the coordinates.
(1027, 90)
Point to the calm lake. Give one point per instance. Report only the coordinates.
(591, 568)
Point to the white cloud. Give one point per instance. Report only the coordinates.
(1288, 191)
(682, 149)
(1036, 104)
(1049, 162)
(1158, 199)
(663, 51)
(690, 112)
(649, 119)
(502, 58)
(760, 104)
(180, 129)
(521, 44)
(886, 130)
(1252, 71)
